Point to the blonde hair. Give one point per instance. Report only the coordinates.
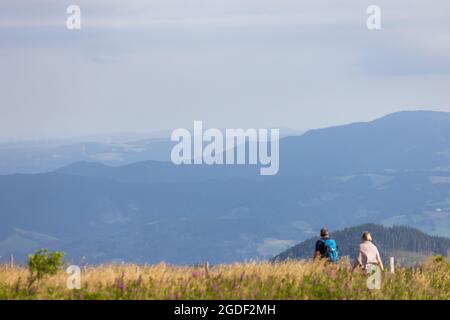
(366, 236)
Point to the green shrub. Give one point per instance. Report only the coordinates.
(43, 263)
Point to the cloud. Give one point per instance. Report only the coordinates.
(413, 50)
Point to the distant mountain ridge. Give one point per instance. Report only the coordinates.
(399, 241)
(120, 149)
(407, 140)
(157, 171)
(40, 157)
(402, 141)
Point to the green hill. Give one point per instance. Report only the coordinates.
(407, 245)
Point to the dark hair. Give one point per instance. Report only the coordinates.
(324, 232)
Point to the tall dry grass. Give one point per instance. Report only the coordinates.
(252, 280)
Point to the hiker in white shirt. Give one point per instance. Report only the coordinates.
(368, 256)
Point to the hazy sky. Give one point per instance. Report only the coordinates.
(161, 64)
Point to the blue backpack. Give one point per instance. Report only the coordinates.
(332, 250)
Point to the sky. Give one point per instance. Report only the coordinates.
(140, 66)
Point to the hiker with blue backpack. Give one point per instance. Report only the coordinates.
(326, 247)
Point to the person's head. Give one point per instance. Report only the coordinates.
(324, 233)
(366, 236)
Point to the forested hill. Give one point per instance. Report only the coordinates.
(407, 244)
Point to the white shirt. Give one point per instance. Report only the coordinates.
(368, 254)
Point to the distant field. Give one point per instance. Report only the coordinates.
(253, 280)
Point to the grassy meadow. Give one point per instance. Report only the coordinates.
(252, 280)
